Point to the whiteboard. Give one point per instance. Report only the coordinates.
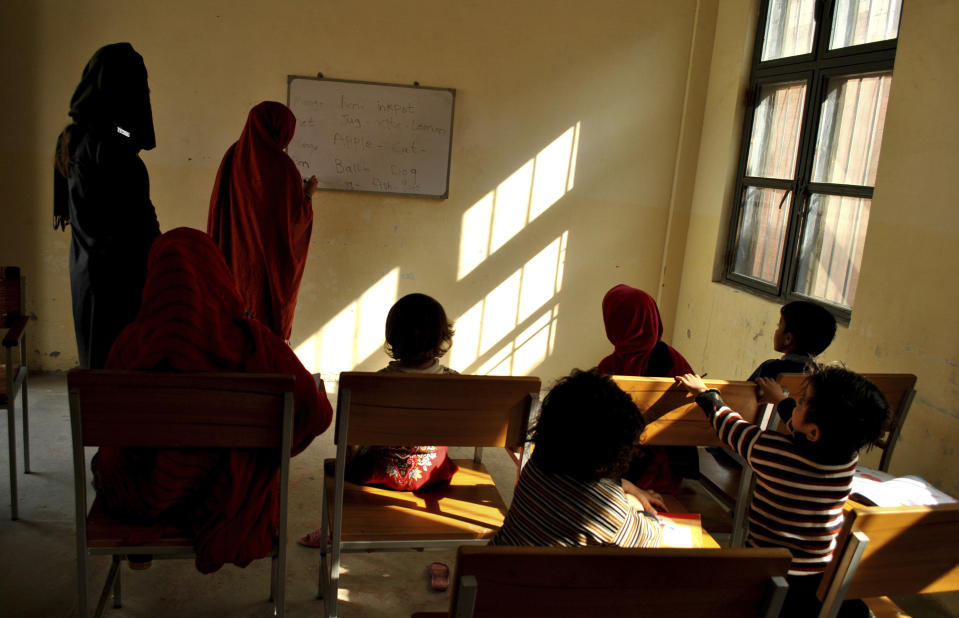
(380, 138)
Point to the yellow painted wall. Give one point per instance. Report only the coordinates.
(904, 318)
(538, 83)
(644, 96)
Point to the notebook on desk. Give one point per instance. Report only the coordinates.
(681, 530)
(876, 488)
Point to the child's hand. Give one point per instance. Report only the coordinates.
(649, 501)
(693, 383)
(769, 391)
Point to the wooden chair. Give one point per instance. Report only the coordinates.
(175, 410)
(398, 409)
(13, 371)
(892, 551)
(611, 581)
(673, 418)
(899, 389)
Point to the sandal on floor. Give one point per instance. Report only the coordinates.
(439, 576)
(313, 539)
(140, 562)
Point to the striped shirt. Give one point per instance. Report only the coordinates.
(556, 510)
(798, 501)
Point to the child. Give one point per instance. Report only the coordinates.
(802, 479)
(635, 329)
(569, 494)
(418, 334)
(805, 330)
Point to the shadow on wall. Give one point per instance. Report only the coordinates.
(504, 325)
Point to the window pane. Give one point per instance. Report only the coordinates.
(762, 233)
(789, 28)
(864, 21)
(775, 135)
(852, 119)
(831, 250)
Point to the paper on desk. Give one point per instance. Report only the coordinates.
(882, 489)
(681, 530)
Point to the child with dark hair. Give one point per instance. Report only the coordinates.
(570, 493)
(418, 334)
(802, 479)
(805, 330)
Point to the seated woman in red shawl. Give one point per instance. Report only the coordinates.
(192, 319)
(635, 329)
(261, 216)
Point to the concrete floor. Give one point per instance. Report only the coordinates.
(38, 574)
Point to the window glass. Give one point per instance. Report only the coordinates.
(856, 22)
(831, 250)
(789, 28)
(762, 233)
(774, 142)
(851, 123)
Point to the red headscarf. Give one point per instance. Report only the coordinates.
(192, 319)
(260, 217)
(634, 327)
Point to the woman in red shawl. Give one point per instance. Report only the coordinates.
(192, 319)
(635, 329)
(261, 216)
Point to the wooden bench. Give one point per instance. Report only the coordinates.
(557, 582)
(403, 409)
(899, 391)
(885, 551)
(176, 410)
(673, 418)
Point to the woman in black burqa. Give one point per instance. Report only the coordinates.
(101, 189)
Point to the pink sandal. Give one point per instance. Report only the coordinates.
(439, 576)
(313, 539)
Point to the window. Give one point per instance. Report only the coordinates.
(815, 114)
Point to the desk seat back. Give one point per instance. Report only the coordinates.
(453, 410)
(178, 410)
(898, 389)
(610, 581)
(673, 418)
(903, 550)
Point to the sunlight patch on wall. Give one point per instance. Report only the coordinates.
(512, 329)
(525, 195)
(354, 333)
(523, 354)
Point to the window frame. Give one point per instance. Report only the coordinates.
(815, 68)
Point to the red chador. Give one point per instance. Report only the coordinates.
(635, 329)
(192, 319)
(261, 218)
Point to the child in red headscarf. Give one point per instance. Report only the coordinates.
(261, 216)
(635, 329)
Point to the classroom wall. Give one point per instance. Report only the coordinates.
(904, 318)
(570, 126)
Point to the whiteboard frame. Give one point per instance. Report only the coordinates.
(413, 86)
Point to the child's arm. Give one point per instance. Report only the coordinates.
(649, 501)
(739, 434)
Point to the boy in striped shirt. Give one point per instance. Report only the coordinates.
(802, 479)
